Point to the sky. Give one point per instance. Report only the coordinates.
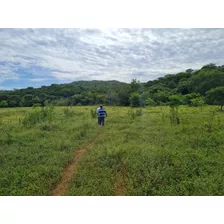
(37, 57)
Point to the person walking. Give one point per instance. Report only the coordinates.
(101, 115)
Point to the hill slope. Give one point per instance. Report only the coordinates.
(157, 92)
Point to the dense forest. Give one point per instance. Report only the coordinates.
(192, 87)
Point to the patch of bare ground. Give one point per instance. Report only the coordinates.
(70, 171)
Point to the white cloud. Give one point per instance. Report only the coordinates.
(37, 80)
(7, 72)
(105, 54)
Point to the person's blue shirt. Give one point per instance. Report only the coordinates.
(102, 112)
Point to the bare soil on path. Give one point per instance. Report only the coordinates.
(70, 171)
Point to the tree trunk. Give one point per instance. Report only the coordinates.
(221, 107)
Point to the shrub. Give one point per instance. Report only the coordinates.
(150, 102)
(132, 114)
(139, 112)
(189, 97)
(3, 103)
(135, 99)
(93, 113)
(175, 100)
(174, 116)
(216, 96)
(38, 116)
(196, 102)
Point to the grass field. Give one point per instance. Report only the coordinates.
(158, 152)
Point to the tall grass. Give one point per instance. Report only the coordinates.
(93, 113)
(148, 156)
(38, 115)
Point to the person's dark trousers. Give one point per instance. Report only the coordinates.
(98, 120)
(102, 121)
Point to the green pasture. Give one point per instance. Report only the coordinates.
(149, 151)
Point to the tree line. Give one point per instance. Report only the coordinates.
(192, 87)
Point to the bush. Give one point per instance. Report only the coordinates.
(189, 97)
(150, 102)
(139, 112)
(135, 100)
(196, 102)
(3, 103)
(175, 100)
(174, 116)
(134, 113)
(93, 113)
(38, 116)
(216, 96)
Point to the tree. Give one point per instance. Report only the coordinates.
(196, 102)
(100, 98)
(135, 100)
(3, 103)
(206, 80)
(150, 102)
(161, 96)
(189, 97)
(42, 98)
(124, 96)
(189, 70)
(135, 86)
(183, 88)
(36, 101)
(27, 100)
(13, 101)
(171, 84)
(216, 96)
(175, 100)
(4, 97)
(209, 66)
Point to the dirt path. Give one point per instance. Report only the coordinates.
(70, 171)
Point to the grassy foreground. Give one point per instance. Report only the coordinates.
(147, 154)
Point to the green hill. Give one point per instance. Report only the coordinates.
(188, 86)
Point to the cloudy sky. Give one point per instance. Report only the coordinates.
(36, 57)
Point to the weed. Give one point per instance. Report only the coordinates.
(174, 115)
(141, 157)
(139, 112)
(131, 114)
(93, 113)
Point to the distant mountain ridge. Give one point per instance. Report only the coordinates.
(156, 92)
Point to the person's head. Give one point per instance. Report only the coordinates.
(101, 106)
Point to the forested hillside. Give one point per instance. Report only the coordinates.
(192, 87)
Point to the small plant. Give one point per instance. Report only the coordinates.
(174, 115)
(93, 113)
(139, 112)
(132, 114)
(209, 123)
